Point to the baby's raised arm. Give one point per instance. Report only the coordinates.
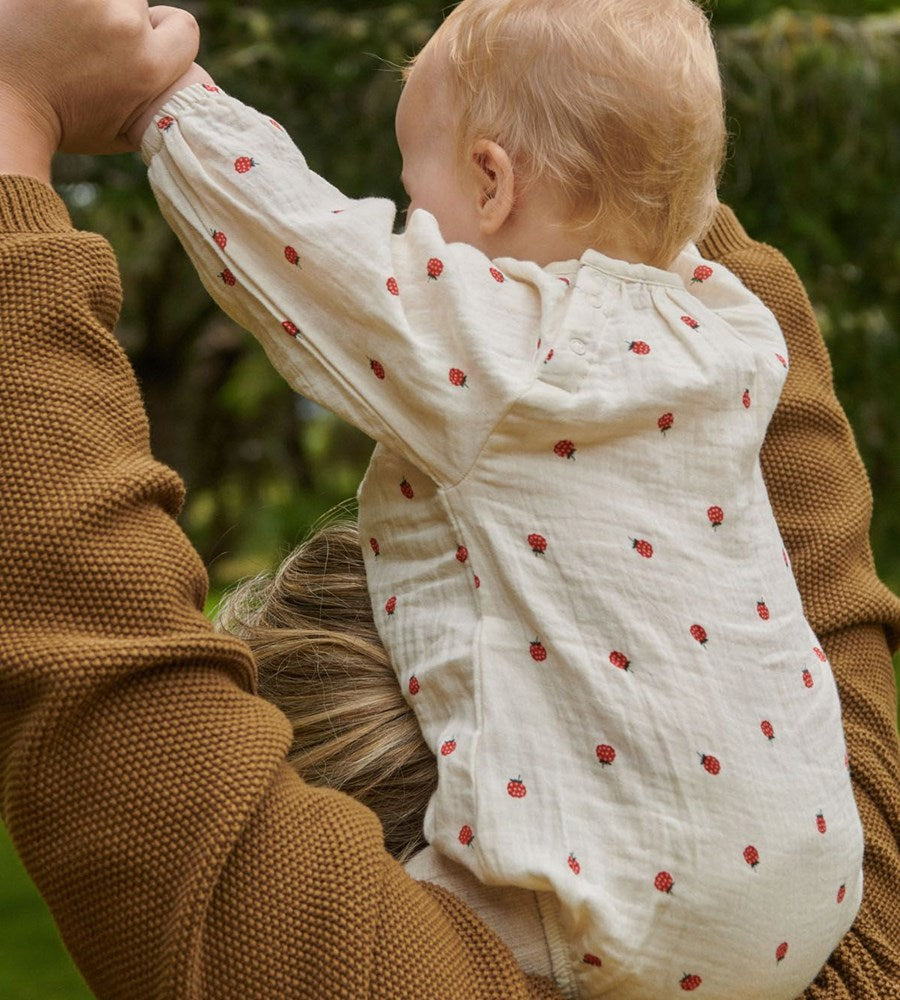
(404, 335)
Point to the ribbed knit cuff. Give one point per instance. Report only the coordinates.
(725, 234)
(29, 206)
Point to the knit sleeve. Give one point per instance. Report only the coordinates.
(822, 501)
(142, 780)
(403, 335)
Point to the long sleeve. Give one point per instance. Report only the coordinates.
(143, 781)
(822, 501)
(381, 328)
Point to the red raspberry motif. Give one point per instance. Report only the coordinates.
(549, 356)
(691, 322)
(639, 347)
(762, 610)
(497, 275)
(165, 123)
(642, 547)
(538, 544)
(565, 449)
(665, 422)
(590, 959)
(466, 836)
(210, 88)
(807, 678)
(538, 651)
(710, 763)
(781, 951)
(392, 286)
(515, 788)
(447, 747)
(220, 238)
(820, 654)
(413, 685)
(664, 882)
(702, 272)
(376, 548)
(767, 729)
(842, 891)
(751, 855)
(477, 581)
(699, 633)
(377, 368)
(690, 981)
(290, 328)
(715, 516)
(619, 660)
(291, 256)
(458, 378)
(228, 278)
(275, 124)
(745, 399)
(782, 360)
(406, 489)
(565, 281)
(390, 605)
(462, 553)
(573, 864)
(820, 823)
(435, 268)
(243, 164)
(605, 754)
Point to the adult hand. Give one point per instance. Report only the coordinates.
(74, 73)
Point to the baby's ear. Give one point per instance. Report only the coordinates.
(496, 184)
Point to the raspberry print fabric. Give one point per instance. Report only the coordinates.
(572, 560)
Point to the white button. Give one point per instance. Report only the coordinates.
(578, 346)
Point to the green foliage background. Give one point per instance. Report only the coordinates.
(814, 104)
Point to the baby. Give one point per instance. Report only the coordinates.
(571, 554)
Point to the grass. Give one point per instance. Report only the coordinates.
(33, 963)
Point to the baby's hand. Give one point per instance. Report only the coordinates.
(74, 73)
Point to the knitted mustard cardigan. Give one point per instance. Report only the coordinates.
(144, 783)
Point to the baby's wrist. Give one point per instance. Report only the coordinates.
(143, 117)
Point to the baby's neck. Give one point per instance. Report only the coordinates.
(553, 246)
(539, 232)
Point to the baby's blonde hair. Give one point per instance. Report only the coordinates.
(616, 103)
(320, 660)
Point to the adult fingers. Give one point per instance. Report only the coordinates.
(159, 12)
(174, 43)
(137, 55)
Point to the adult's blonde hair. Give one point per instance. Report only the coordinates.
(616, 103)
(321, 662)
